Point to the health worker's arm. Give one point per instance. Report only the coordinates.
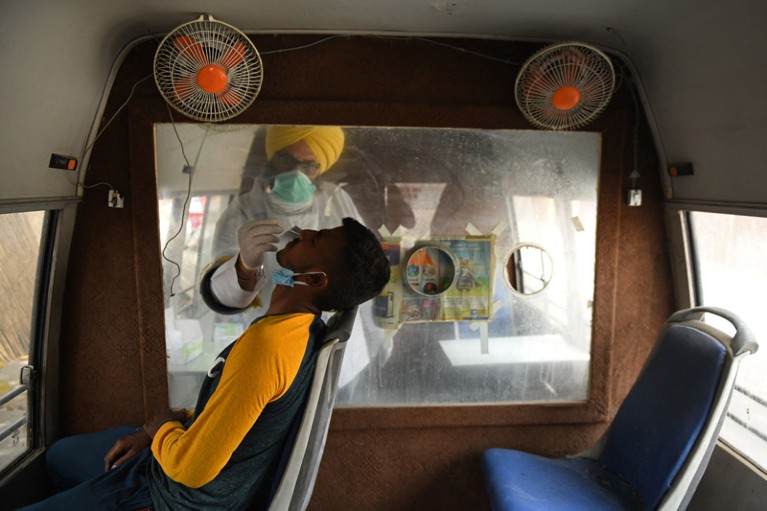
(231, 291)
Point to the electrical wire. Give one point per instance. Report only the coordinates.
(623, 75)
(119, 109)
(182, 221)
(637, 114)
(470, 52)
(100, 183)
(425, 39)
(309, 45)
(88, 147)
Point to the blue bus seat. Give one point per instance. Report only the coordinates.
(655, 451)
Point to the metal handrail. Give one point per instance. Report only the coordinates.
(744, 424)
(12, 428)
(12, 394)
(752, 396)
(9, 430)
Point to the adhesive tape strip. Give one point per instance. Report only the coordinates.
(471, 229)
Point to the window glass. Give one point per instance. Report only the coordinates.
(491, 235)
(21, 234)
(729, 252)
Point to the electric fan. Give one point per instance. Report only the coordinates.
(564, 86)
(208, 70)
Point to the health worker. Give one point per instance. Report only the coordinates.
(288, 196)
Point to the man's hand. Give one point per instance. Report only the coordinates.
(125, 448)
(255, 239)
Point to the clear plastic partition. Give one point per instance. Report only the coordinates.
(491, 235)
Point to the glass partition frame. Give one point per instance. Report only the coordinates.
(413, 186)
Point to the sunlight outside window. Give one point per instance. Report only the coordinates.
(21, 234)
(732, 274)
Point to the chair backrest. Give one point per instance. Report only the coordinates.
(300, 472)
(665, 431)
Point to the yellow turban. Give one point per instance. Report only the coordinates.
(326, 142)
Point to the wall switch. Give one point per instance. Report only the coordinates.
(115, 199)
(634, 197)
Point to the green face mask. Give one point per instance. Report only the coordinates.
(293, 187)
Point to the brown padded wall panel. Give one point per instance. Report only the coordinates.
(113, 358)
(151, 331)
(101, 375)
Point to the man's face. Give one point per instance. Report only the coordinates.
(298, 156)
(313, 250)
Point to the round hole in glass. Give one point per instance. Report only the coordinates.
(430, 270)
(528, 269)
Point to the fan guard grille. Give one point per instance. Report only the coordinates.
(564, 86)
(208, 70)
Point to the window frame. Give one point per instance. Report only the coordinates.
(686, 262)
(39, 329)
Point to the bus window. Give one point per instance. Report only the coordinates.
(19, 252)
(731, 273)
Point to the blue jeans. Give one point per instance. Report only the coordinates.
(76, 467)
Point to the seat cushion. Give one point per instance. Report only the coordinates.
(520, 481)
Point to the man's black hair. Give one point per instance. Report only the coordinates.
(361, 270)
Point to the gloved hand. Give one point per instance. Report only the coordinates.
(255, 239)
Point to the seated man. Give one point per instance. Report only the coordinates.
(221, 455)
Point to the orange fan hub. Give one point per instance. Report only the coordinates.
(212, 78)
(566, 98)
